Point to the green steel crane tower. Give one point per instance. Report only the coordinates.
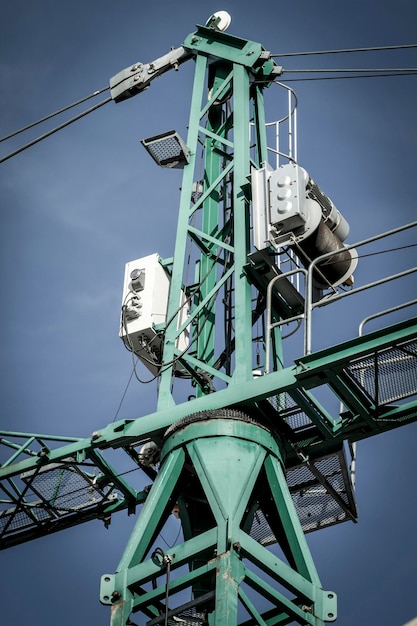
(239, 448)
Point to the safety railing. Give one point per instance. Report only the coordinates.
(310, 303)
(392, 309)
(282, 136)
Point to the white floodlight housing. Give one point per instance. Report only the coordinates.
(219, 20)
(289, 209)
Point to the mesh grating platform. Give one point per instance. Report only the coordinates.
(294, 417)
(322, 503)
(51, 495)
(290, 411)
(261, 531)
(186, 618)
(18, 519)
(323, 496)
(322, 491)
(189, 617)
(64, 488)
(389, 375)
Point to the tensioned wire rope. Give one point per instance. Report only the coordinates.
(387, 75)
(344, 50)
(359, 72)
(377, 72)
(48, 117)
(54, 130)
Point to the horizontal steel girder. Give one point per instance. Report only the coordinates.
(271, 396)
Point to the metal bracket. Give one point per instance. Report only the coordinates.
(136, 78)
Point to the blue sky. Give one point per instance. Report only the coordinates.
(79, 205)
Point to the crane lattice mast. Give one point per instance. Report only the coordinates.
(239, 447)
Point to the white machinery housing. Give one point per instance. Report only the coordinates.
(289, 209)
(144, 308)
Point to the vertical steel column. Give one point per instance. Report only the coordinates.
(220, 121)
(164, 394)
(243, 313)
(211, 219)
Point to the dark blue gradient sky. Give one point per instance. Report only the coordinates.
(79, 205)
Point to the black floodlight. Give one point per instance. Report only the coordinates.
(167, 150)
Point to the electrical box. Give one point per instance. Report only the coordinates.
(144, 308)
(289, 209)
(282, 209)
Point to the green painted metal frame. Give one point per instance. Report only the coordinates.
(216, 449)
(39, 454)
(291, 588)
(19, 454)
(222, 237)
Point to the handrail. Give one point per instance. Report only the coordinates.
(310, 305)
(269, 324)
(291, 119)
(385, 312)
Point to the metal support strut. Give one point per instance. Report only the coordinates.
(222, 471)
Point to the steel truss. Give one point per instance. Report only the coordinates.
(249, 461)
